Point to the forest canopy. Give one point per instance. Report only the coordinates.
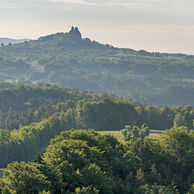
(82, 161)
(41, 153)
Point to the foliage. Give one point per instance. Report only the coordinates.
(168, 162)
(35, 127)
(165, 117)
(82, 161)
(76, 161)
(179, 143)
(24, 143)
(24, 178)
(107, 114)
(24, 97)
(179, 120)
(22, 104)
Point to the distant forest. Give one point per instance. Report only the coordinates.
(69, 60)
(9, 41)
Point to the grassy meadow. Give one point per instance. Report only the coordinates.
(154, 134)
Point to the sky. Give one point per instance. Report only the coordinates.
(152, 25)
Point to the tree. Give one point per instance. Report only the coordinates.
(134, 131)
(24, 178)
(75, 161)
(127, 132)
(87, 190)
(179, 143)
(179, 120)
(107, 114)
(93, 176)
(144, 131)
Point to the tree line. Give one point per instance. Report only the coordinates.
(24, 97)
(23, 143)
(22, 104)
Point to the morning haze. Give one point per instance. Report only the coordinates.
(79, 115)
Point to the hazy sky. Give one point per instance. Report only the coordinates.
(154, 25)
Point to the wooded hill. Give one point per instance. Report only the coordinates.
(75, 62)
(27, 126)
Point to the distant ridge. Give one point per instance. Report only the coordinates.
(7, 41)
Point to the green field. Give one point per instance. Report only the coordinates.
(154, 134)
(116, 134)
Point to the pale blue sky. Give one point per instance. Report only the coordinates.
(154, 25)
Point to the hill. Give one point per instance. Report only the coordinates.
(69, 60)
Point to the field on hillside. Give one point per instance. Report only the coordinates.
(154, 134)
